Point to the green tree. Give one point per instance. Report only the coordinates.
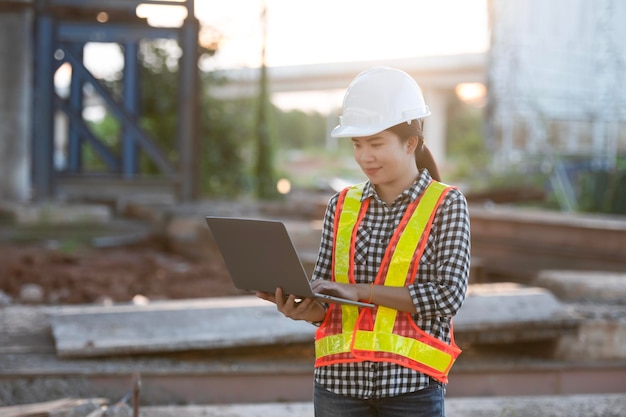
(466, 147)
(224, 129)
(237, 136)
(301, 130)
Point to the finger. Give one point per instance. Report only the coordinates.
(306, 304)
(292, 301)
(279, 299)
(266, 296)
(319, 285)
(279, 293)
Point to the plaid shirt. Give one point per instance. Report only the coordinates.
(438, 290)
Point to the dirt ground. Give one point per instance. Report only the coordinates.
(58, 263)
(88, 275)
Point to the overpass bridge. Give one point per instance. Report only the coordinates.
(437, 75)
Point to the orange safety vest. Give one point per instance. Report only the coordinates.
(383, 334)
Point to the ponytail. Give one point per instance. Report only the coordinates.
(424, 159)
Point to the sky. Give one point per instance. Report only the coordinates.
(323, 31)
(305, 32)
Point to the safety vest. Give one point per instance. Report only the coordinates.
(383, 334)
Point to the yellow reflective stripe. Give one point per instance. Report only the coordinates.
(404, 346)
(342, 343)
(403, 254)
(337, 343)
(385, 319)
(348, 217)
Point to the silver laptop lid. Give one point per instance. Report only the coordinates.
(260, 256)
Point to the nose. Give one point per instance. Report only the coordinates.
(363, 155)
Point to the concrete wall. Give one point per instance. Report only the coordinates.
(15, 104)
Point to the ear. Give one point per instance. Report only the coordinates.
(412, 143)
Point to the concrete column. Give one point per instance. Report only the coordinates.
(15, 104)
(188, 105)
(435, 124)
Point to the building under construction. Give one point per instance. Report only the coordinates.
(557, 88)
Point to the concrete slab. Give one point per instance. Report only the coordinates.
(31, 370)
(601, 405)
(55, 213)
(173, 326)
(507, 302)
(553, 406)
(517, 312)
(506, 312)
(596, 286)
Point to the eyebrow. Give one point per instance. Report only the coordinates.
(371, 139)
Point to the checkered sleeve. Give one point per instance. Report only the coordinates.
(441, 283)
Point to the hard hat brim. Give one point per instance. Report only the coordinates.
(352, 132)
(348, 131)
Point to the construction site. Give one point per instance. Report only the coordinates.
(115, 300)
(149, 298)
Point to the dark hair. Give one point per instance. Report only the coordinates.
(423, 157)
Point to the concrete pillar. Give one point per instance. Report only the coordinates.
(188, 105)
(435, 124)
(15, 104)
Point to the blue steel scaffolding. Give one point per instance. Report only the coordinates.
(62, 29)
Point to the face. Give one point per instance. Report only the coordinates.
(384, 158)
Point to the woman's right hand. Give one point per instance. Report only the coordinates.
(295, 308)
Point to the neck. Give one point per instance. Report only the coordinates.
(388, 192)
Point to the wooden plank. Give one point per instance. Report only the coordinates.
(57, 407)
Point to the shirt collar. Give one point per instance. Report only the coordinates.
(412, 192)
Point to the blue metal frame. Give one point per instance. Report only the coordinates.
(43, 112)
(111, 32)
(77, 125)
(55, 34)
(131, 103)
(81, 130)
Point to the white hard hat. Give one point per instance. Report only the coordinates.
(377, 99)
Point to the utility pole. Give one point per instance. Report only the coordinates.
(265, 181)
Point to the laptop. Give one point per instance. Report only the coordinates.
(260, 256)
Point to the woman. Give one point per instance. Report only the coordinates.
(400, 241)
